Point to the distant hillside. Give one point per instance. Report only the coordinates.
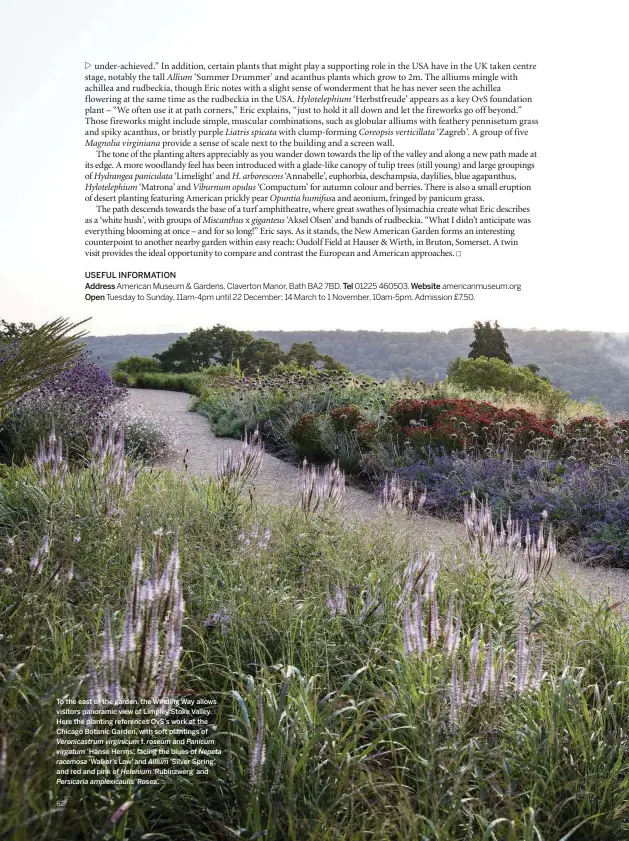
(587, 364)
(107, 350)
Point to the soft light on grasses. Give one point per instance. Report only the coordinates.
(527, 555)
(397, 495)
(238, 466)
(321, 487)
(366, 689)
(145, 662)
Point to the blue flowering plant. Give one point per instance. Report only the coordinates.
(588, 504)
(74, 403)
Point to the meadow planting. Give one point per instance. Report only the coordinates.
(527, 454)
(364, 686)
(367, 687)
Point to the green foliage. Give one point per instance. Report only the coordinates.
(305, 434)
(483, 374)
(221, 372)
(303, 354)
(535, 369)
(137, 364)
(489, 342)
(10, 331)
(192, 383)
(260, 356)
(333, 365)
(222, 345)
(225, 346)
(584, 363)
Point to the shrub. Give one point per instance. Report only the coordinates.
(589, 506)
(305, 435)
(468, 425)
(345, 418)
(137, 365)
(367, 433)
(483, 374)
(190, 383)
(147, 436)
(120, 378)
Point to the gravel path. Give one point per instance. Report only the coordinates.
(278, 483)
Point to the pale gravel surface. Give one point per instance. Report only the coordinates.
(278, 483)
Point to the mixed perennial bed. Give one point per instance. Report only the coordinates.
(367, 687)
(444, 446)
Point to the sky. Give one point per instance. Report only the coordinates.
(571, 265)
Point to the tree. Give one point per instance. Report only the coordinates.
(137, 365)
(10, 331)
(260, 356)
(36, 356)
(303, 354)
(535, 369)
(229, 343)
(181, 356)
(489, 342)
(220, 345)
(333, 365)
(485, 374)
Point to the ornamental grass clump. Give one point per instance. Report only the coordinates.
(236, 468)
(321, 487)
(535, 551)
(115, 473)
(398, 495)
(145, 662)
(493, 673)
(49, 462)
(485, 673)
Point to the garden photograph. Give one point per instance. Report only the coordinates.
(406, 597)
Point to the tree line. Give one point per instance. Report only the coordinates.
(585, 363)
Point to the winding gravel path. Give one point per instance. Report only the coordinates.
(278, 483)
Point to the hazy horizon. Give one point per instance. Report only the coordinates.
(364, 330)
